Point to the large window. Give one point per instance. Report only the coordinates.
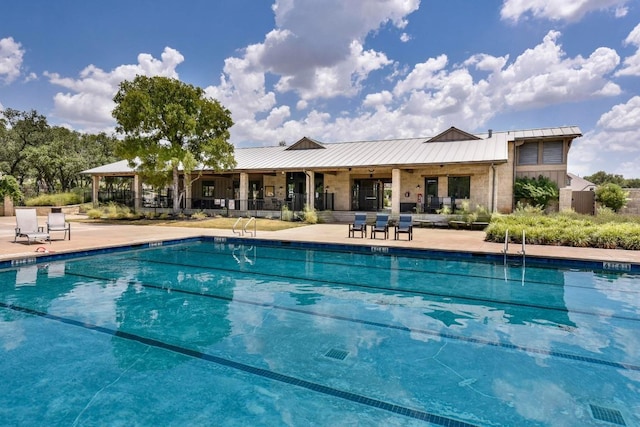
(552, 153)
(460, 187)
(208, 188)
(528, 154)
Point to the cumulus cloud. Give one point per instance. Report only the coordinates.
(89, 99)
(11, 54)
(559, 10)
(618, 131)
(631, 64)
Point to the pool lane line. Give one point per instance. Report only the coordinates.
(515, 280)
(472, 340)
(384, 268)
(265, 373)
(399, 290)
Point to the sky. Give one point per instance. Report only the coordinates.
(336, 70)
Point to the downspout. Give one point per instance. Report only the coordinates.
(493, 188)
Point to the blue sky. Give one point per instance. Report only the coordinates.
(337, 70)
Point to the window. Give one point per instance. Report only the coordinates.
(528, 154)
(459, 187)
(207, 189)
(552, 152)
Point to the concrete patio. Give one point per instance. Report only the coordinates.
(91, 236)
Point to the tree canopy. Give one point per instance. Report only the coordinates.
(38, 154)
(168, 124)
(602, 177)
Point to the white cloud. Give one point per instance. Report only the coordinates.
(617, 132)
(631, 64)
(559, 10)
(89, 101)
(11, 54)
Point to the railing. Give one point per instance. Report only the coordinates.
(243, 227)
(523, 251)
(246, 224)
(239, 220)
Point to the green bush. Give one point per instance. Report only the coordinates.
(536, 191)
(9, 187)
(309, 215)
(60, 199)
(612, 196)
(567, 229)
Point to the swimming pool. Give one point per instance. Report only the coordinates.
(223, 333)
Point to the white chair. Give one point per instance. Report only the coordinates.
(57, 222)
(27, 226)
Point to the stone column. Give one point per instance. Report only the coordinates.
(137, 189)
(310, 188)
(244, 190)
(396, 191)
(94, 189)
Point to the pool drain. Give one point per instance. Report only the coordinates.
(334, 353)
(607, 414)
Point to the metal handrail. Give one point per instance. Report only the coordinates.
(240, 233)
(246, 224)
(506, 246)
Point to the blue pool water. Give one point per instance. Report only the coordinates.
(207, 333)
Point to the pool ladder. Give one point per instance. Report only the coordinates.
(243, 228)
(522, 252)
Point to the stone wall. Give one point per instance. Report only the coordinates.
(633, 204)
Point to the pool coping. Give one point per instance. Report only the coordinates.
(510, 259)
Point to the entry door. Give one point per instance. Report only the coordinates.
(431, 187)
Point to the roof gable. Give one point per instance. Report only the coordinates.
(305, 144)
(453, 134)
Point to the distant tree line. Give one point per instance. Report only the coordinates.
(48, 158)
(601, 178)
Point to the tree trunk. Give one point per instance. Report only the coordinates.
(176, 190)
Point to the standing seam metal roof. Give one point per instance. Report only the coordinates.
(409, 152)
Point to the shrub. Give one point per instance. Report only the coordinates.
(612, 196)
(9, 187)
(60, 199)
(287, 215)
(536, 191)
(309, 215)
(198, 215)
(94, 213)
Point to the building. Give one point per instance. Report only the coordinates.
(400, 175)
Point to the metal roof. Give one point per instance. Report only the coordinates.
(408, 153)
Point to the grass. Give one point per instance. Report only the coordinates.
(606, 230)
(223, 223)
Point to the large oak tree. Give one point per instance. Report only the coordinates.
(168, 124)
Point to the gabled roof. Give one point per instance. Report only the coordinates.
(453, 134)
(408, 152)
(305, 144)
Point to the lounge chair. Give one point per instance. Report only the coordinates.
(381, 226)
(57, 222)
(359, 224)
(405, 225)
(27, 226)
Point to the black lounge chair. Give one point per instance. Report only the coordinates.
(359, 224)
(381, 226)
(405, 225)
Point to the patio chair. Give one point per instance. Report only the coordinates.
(57, 222)
(381, 226)
(405, 225)
(27, 226)
(359, 224)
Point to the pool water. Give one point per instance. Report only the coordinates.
(207, 333)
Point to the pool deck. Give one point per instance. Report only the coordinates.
(86, 236)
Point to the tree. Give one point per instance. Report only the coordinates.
(9, 187)
(538, 191)
(167, 124)
(601, 177)
(21, 131)
(612, 196)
